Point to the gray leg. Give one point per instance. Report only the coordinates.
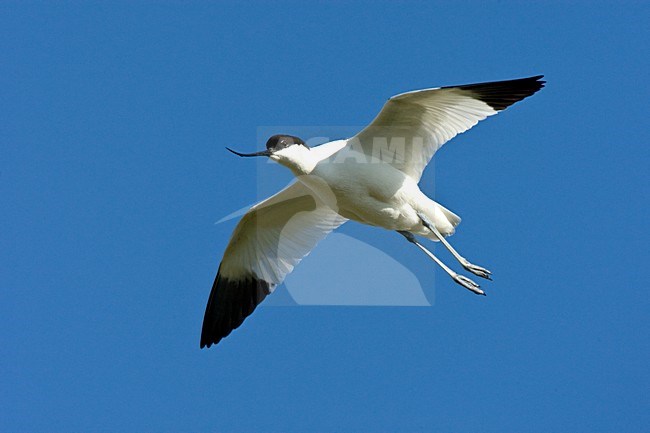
(474, 269)
(460, 279)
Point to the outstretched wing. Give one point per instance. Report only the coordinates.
(412, 126)
(268, 242)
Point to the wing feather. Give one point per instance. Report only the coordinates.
(412, 126)
(268, 242)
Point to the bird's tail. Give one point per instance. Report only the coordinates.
(453, 219)
(445, 221)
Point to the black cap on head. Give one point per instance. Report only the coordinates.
(278, 142)
(275, 143)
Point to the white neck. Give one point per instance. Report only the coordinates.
(297, 158)
(302, 160)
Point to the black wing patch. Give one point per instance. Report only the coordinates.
(501, 94)
(230, 302)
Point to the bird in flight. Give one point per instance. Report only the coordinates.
(371, 178)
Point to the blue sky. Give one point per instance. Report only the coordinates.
(113, 172)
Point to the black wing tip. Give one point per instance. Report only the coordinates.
(231, 301)
(501, 94)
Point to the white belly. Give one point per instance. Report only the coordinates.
(377, 195)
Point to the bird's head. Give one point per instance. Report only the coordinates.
(287, 150)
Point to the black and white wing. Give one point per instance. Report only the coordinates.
(412, 126)
(268, 242)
